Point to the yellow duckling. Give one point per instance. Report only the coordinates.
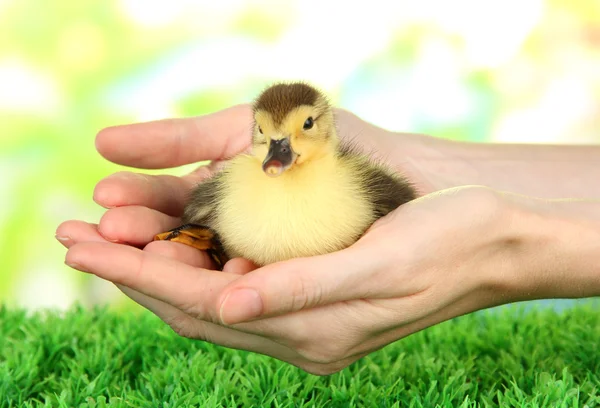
(300, 192)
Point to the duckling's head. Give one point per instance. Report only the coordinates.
(293, 126)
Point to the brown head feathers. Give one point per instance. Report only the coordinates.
(280, 99)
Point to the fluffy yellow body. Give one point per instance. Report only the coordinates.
(314, 208)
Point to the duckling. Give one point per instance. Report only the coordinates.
(300, 192)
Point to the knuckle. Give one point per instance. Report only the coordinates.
(299, 298)
(198, 311)
(139, 272)
(186, 326)
(305, 294)
(193, 310)
(179, 324)
(200, 333)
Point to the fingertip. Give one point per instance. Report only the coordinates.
(134, 224)
(107, 193)
(174, 142)
(296, 284)
(103, 141)
(86, 256)
(109, 227)
(239, 266)
(63, 228)
(64, 240)
(77, 256)
(116, 189)
(240, 305)
(71, 232)
(62, 233)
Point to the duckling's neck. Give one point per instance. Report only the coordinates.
(312, 165)
(317, 165)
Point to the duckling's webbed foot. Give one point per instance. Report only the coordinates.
(199, 237)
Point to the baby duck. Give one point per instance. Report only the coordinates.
(300, 192)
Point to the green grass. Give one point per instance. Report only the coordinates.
(99, 358)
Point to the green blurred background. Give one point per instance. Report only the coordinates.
(488, 71)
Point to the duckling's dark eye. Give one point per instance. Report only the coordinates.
(308, 123)
(260, 130)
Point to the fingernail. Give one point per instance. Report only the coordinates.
(75, 265)
(62, 239)
(241, 305)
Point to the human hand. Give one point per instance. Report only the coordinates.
(139, 206)
(354, 301)
(319, 313)
(424, 263)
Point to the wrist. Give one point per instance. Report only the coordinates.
(434, 164)
(555, 250)
(544, 171)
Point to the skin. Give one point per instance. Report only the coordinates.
(450, 252)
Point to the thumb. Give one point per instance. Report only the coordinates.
(298, 284)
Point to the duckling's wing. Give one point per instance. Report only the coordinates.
(197, 230)
(385, 188)
(203, 202)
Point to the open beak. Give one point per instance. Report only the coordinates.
(279, 157)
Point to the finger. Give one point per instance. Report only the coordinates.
(187, 326)
(134, 225)
(167, 194)
(182, 253)
(298, 284)
(183, 323)
(174, 142)
(192, 290)
(251, 336)
(239, 266)
(70, 232)
(355, 273)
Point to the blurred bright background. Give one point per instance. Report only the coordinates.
(486, 71)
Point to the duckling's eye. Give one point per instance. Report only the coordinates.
(260, 130)
(308, 123)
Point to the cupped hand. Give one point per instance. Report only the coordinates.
(319, 313)
(323, 313)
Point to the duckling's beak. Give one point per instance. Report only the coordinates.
(279, 157)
